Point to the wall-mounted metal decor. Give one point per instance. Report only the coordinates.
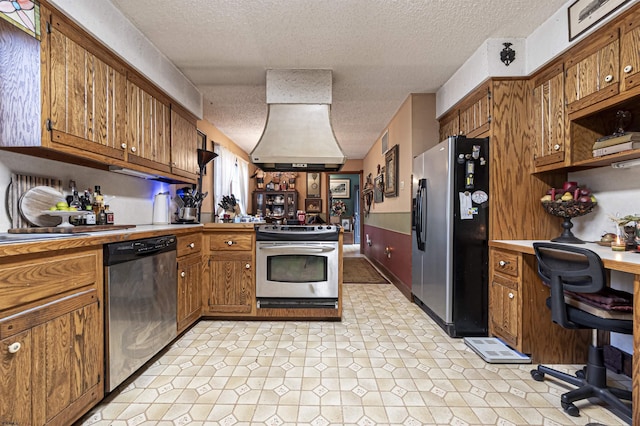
(583, 14)
(313, 184)
(507, 55)
(378, 189)
(24, 14)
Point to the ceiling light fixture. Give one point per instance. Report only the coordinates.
(626, 163)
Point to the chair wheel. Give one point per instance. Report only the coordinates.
(581, 374)
(570, 409)
(537, 376)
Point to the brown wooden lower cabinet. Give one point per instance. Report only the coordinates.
(229, 278)
(189, 256)
(51, 350)
(519, 316)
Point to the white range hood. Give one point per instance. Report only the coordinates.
(298, 135)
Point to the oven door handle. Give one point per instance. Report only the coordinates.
(299, 249)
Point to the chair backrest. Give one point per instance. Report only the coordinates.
(568, 268)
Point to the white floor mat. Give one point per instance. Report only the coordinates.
(494, 351)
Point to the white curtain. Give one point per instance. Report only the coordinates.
(231, 176)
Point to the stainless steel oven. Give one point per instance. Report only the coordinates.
(297, 266)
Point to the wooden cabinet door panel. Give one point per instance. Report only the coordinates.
(592, 74)
(148, 128)
(184, 144)
(504, 311)
(630, 51)
(231, 283)
(549, 118)
(88, 95)
(15, 373)
(189, 279)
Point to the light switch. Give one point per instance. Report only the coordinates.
(401, 185)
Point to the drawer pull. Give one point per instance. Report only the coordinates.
(608, 78)
(14, 347)
(183, 274)
(510, 295)
(192, 245)
(503, 263)
(628, 69)
(247, 266)
(230, 243)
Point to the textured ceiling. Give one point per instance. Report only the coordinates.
(379, 51)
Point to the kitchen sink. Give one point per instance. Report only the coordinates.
(6, 238)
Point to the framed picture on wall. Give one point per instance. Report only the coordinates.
(391, 172)
(313, 184)
(378, 189)
(340, 188)
(313, 205)
(583, 14)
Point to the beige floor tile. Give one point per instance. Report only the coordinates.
(386, 362)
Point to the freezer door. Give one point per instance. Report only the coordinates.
(417, 251)
(436, 293)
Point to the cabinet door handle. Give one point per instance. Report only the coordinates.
(503, 263)
(510, 295)
(133, 149)
(608, 78)
(247, 266)
(192, 245)
(14, 347)
(556, 147)
(230, 243)
(123, 146)
(628, 69)
(183, 274)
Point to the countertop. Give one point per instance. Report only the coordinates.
(626, 261)
(70, 241)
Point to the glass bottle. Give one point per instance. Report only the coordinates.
(110, 215)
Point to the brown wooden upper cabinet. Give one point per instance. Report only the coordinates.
(87, 93)
(148, 126)
(629, 51)
(549, 118)
(593, 71)
(184, 143)
(471, 118)
(475, 114)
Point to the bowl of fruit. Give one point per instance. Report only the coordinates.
(568, 202)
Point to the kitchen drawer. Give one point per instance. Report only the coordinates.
(32, 279)
(231, 241)
(189, 244)
(505, 262)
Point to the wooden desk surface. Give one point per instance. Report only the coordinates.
(626, 261)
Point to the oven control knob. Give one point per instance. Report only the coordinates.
(319, 228)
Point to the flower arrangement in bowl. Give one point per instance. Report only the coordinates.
(338, 208)
(568, 202)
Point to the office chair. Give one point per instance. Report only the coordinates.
(579, 270)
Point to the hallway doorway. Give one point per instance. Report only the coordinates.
(344, 190)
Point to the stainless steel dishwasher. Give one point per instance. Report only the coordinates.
(140, 295)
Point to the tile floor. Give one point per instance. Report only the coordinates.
(385, 363)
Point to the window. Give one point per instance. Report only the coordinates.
(231, 176)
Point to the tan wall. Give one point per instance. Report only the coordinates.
(413, 128)
(215, 135)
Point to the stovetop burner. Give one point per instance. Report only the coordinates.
(272, 232)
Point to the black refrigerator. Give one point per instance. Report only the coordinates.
(450, 225)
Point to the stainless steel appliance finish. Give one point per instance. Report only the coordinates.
(297, 266)
(141, 292)
(450, 234)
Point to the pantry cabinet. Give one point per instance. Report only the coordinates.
(229, 283)
(189, 257)
(51, 337)
(549, 118)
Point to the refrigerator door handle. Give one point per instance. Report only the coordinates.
(423, 214)
(420, 214)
